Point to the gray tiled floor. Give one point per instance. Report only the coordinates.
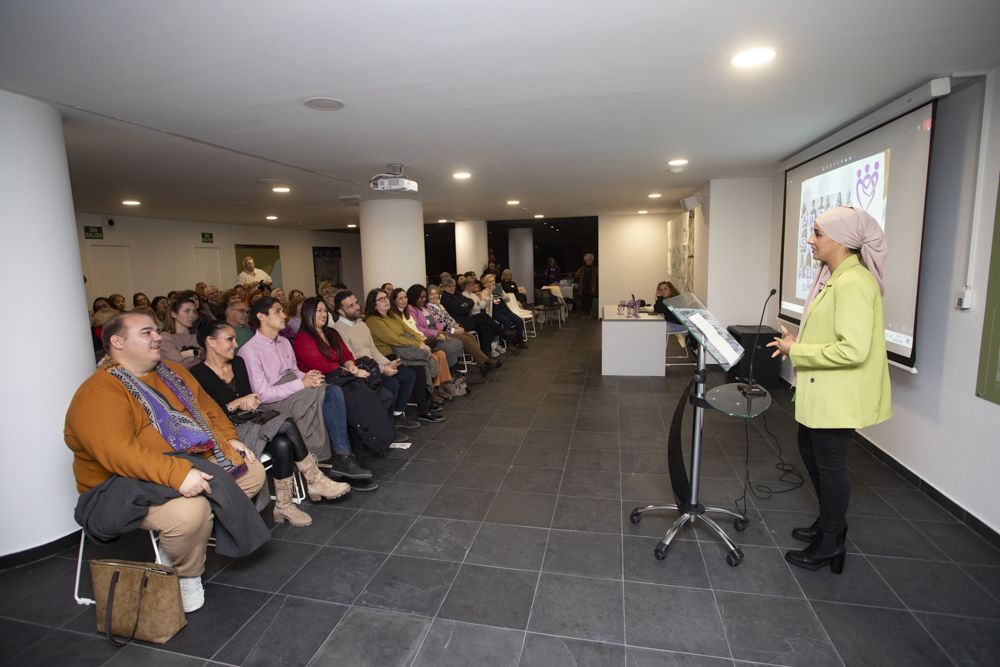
(501, 537)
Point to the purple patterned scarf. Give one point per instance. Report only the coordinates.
(184, 434)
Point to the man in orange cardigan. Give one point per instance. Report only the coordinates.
(110, 429)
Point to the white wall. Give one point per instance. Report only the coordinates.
(163, 252)
(940, 430)
(739, 249)
(43, 364)
(632, 255)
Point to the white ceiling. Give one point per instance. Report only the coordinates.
(571, 106)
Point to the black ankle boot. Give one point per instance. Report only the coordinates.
(806, 534)
(828, 547)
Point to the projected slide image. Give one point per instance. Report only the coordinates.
(860, 183)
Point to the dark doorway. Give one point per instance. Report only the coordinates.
(566, 239)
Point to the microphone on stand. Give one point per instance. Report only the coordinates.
(751, 388)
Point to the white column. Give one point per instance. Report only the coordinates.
(521, 250)
(47, 356)
(471, 246)
(392, 243)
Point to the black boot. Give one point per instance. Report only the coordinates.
(828, 547)
(345, 465)
(806, 534)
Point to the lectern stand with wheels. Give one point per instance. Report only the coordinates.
(712, 338)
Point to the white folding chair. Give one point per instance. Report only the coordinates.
(527, 318)
(681, 334)
(153, 537)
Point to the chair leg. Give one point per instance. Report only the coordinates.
(79, 566)
(298, 488)
(155, 539)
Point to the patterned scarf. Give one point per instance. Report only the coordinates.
(184, 434)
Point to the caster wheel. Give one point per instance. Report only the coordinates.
(660, 551)
(634, 517)
(734, 558)
(741, 524)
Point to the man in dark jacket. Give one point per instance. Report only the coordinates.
(460, 307)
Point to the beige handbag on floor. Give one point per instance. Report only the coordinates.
(136, 600)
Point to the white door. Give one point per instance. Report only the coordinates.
(207, 266)
(110, 271)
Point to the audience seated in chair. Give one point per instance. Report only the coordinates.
(224, 376)
(509, 286)
(276, 378)
(410, 381)
(448, 323)
(460, 307)
(318, 346)
(141, 419)
(492, 296)
(423, 319)
(400, 311)
(180, 344)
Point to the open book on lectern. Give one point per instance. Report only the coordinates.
(706, 329)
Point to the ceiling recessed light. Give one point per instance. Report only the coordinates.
(351, 226)
(443, 220)
(512, 202)
(324, 104)
(677, 163)
(755, 57)
(539, 215)
(131, 202)
(271, 217)
(642, 212)
(281, 188)
(655, 195)
(461, 175)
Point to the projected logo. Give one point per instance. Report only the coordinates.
(866, 186)
(859, 183)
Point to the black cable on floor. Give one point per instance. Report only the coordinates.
(789, 475)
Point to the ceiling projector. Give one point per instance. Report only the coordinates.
(385, 183)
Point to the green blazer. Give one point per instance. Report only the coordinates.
(840, 360)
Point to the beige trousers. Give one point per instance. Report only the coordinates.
(185, 524)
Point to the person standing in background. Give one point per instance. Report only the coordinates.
(586, 279)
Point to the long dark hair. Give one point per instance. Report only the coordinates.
(393, 310)
(308, 314)
(370, 309)
(413, 294)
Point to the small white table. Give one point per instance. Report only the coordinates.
(632, 346)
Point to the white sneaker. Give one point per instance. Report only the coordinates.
(494, 354)
(192, 594)
(400, 445)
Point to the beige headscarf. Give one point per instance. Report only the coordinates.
(854, 229)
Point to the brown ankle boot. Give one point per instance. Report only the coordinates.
(319, 485)
(284, 508)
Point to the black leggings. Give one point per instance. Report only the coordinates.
(824, 453)
(286, 448)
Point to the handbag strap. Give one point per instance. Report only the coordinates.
(111, 605)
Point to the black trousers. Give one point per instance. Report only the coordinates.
(286, 448)
(824, 453)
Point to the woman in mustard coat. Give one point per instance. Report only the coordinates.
(842, 373)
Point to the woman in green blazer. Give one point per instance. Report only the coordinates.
(842, 373)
